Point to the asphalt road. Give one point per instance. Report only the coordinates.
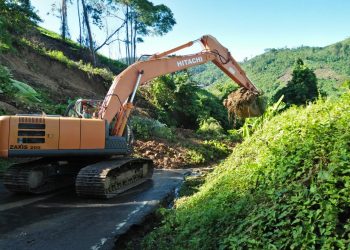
(64, 221)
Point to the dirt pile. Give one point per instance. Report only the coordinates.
(243, 103)
(162, 154)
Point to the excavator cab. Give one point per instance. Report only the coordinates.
(83, 108)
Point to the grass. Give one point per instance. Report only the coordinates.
(61, 57)
(285, 187)
(57, 36)
(114, 65)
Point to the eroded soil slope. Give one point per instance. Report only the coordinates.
(52, 77)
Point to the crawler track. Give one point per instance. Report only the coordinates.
(109, 178)
(40, 176)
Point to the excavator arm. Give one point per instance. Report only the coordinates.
(118, 101)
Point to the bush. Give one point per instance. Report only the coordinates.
(222, 89)
(346, 85)
(20, 90)
(146, 128)
(210, 150)
(302, 88)
(5, 77)
(181, 103)
(210, 127)
(234, 135)
(25, 94)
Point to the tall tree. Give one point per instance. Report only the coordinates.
(59, 10)
(138, 18)
(64, 23)
(143, 19)
(302, 87)
(80, 31)
(87, 23)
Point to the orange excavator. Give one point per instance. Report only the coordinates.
(90, 144)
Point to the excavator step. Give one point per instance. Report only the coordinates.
(109, 178)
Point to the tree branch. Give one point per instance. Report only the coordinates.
(107, 42)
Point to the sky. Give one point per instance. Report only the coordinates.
(245, 27)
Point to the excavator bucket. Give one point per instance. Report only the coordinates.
(244, 103)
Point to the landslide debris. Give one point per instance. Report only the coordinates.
(243, 103)
(162, 154)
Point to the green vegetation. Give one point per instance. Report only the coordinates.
(16, 17)
(286, 186)
(346, 85)
(75, 51)
(210, 127)
(27, 96)
(146, 128)
(222, 89)
(180, 102)
(302, 88)
(61, 57)
(272, 70)
(255, 123)
(204, 149)
(206, 152)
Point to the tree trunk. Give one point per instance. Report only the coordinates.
(87, 23)
(127, 43)
(80, 39)
(64, 26)
(135, 39)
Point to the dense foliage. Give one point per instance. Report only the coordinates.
(285, 187)
(15, 18)
(182, 103)
(147, 128)
(302, 88)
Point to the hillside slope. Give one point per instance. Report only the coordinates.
(285, 187)
(58, 70)
(271, 70)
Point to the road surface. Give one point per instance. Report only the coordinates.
(64, 221)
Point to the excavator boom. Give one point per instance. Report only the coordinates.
(118, 101)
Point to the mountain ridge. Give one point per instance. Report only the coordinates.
(271, 70)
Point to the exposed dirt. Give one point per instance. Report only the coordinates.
(72, 51)
(164, 155)
(51, 76)
(287, 76)
(328, 74)
(50, 43)
(8, 108)
(243, 103)
(325, 73)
